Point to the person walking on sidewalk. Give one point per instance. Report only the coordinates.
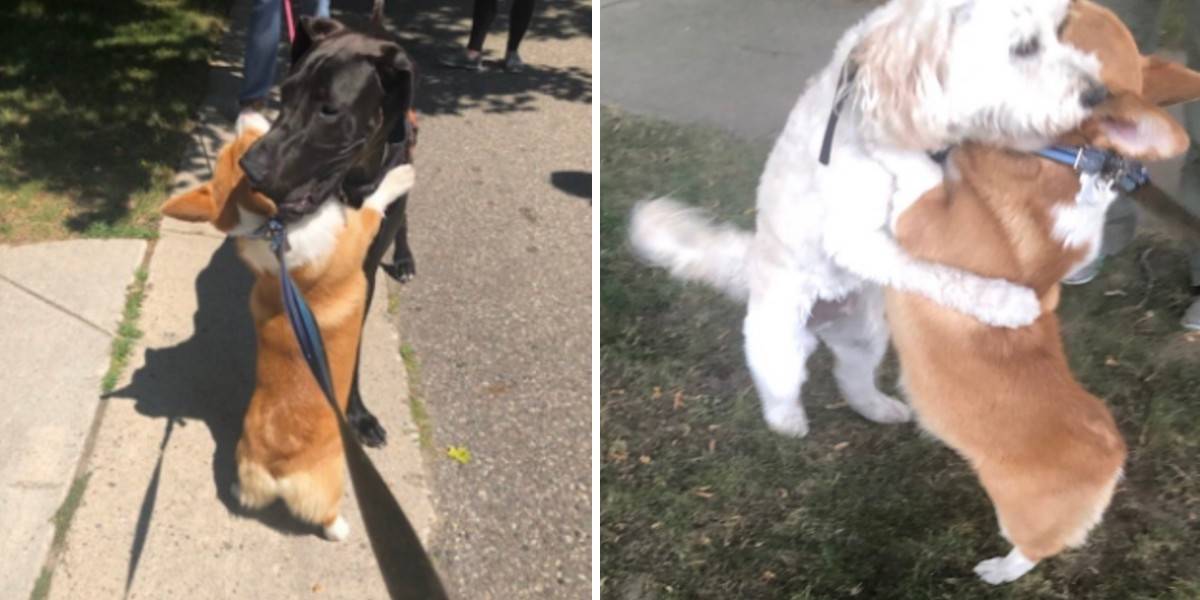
(1144, 18)
(262, 49)
(481, 20)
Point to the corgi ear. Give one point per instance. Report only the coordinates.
(1166, 83)
(196, 205)
(1136, 128)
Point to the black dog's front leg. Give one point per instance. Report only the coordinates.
(369, 430)
(403, 267)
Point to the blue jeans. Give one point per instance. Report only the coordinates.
(1144, 18)
(262, 44)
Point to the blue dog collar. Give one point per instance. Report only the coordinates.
(1128, 174)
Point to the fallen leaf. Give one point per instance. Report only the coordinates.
(618, 451)
(1111, 362)
(841, 445)
(656, 394)
(459, 453)
(768, 576)
(645, 460)
(712, 446)
(678, 403)
(703, 492)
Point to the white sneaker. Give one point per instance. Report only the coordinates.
(1191, 318)
(1085, 274)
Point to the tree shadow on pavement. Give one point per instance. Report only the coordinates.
(207, 378)
(433, 29)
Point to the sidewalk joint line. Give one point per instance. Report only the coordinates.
(58, 306)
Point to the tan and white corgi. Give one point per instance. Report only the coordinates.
(290, 447)
(1047, 452)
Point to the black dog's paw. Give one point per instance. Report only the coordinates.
(369, 431)
(402, 269)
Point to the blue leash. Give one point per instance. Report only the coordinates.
(1129, 175)
(407, 571)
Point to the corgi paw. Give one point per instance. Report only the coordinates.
(338, 530)
(396, 183)
(1004, 569)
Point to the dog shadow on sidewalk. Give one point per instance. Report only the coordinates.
(207, 379)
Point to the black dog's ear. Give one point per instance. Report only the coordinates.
(397, 75)
(311, 30)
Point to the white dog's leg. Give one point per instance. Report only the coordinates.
(1004, 569)
(876, 257)
(777, 347)
(858, 341)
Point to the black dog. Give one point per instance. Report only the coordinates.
(345, 121)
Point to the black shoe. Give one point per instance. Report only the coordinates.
(461, 61)
(513, 63)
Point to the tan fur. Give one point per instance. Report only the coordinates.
(290, 446)
(1047, 452)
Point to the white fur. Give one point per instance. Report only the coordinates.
(313, 237)
(931, 73)
(1004, 569)
(252, 121)
(337, 531)
(1080, 224)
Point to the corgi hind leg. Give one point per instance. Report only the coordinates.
(315, 496)
(255, 487)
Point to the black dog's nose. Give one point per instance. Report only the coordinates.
(1094, 95)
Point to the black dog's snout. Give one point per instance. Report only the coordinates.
(1094, 96)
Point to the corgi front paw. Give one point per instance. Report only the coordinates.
(396, 183)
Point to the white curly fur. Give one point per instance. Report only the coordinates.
(931, 73)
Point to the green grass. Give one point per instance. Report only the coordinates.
(62, 522)
(96, 99)
(416, 403)
(127, 332)
(700, 500)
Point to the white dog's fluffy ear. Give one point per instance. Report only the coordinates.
(900, 70)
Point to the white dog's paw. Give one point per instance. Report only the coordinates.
(882, 408)
(789, 420)
(1006, 304)
(1004, 569)
(338, 530)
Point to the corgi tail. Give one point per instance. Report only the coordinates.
(685, 241)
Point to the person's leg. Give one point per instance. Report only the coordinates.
(482, 16)
(518, 24)
(1189, 188)
(262, 49)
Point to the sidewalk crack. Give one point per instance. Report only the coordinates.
(58, 306)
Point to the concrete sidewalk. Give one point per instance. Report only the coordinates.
(156, 518)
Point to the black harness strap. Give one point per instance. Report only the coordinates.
(840, 93)
(407, 571)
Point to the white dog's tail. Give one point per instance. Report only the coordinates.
(685, 241)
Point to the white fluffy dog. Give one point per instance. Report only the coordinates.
(929, 74)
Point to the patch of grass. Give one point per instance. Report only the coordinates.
(700, 500)
(62, 523)
(127, 332)
(416, 403)
(96, 100)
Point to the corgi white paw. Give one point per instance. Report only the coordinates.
(1004, 569)
(338, 530)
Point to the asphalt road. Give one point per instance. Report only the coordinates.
(737, 65)
(500, 312)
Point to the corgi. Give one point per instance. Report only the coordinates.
(1047, 452)
(290, 446)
